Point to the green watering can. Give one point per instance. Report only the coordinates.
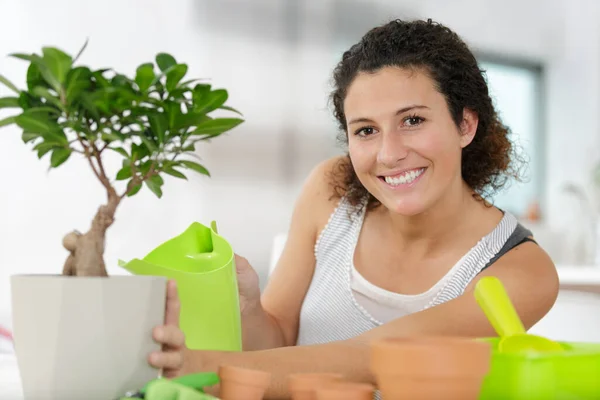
(203, 264)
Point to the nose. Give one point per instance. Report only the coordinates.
(391, 149)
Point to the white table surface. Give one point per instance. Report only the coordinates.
(10, 382)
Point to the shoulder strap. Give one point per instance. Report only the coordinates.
(518, 237)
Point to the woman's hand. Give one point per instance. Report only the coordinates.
(171, 358)
(249, 289)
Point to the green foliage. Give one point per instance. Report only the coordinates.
(153, 119)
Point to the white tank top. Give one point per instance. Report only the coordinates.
(341, 304)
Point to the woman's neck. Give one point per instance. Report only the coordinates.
(427, 232)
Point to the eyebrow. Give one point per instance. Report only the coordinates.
(400, 111)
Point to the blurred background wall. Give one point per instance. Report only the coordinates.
(275, 58)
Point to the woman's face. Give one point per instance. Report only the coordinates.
(403, 143)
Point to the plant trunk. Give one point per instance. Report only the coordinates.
(87, 250)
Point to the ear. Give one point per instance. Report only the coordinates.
(468, 127)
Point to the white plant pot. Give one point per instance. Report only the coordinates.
(85, 337)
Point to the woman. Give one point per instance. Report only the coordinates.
(390, 240)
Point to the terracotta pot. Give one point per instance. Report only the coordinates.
(430, 367)
(345, 391)
(303, 386)
(242, 384)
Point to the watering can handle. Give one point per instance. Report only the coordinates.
(497, 306)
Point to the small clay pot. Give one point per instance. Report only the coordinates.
(345, 391)
(303, 386)
(242, 384)
(429, 368)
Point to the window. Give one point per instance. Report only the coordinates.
(517, 94)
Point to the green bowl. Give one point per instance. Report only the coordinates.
(573, 374)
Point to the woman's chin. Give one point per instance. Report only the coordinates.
(405, 207)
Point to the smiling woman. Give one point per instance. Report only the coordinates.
(391, 239)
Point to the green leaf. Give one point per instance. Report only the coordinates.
(175, 75)
(144, 76)
(101, 81)
(43, 148)
(159, 125)
(8, 84)
(34, 77)
(119, 150)
(211, 101)
(190, 119)
(28, 136)
(58, 62)
(27, 101)
(37, 121)
(134, 190)
(157, 179)
(173, 172)
(43, 69)
(231, 109)
(44, 93)
(8, 121)
(165, 61)
(187, 83)
(124, 173)
(139, 151)
(179, 94)
(173, 111)
(217, 126)
(59, 156)
(111, 137)
(190, 147)
(81, 51)
(144, 168)
(9, 102)
(199, 92)
(148, 143)
(78, 80)
(195, 166)
(154, 187)
(88, 104)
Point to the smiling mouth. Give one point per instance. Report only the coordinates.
(404, 178)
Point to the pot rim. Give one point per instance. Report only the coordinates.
(310, 380)
(346, 385)
(444, 355)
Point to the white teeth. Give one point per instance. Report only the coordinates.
(405, 178)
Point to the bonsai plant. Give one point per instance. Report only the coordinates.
(153, 120)
(77, 333)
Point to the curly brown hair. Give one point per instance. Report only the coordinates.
(490, 160)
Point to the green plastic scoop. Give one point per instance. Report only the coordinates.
(499, 310)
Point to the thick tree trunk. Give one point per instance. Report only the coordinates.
(87, 250)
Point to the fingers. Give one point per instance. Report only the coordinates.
(166, 360)
(169, 335)
(241, 263)
(173, 306)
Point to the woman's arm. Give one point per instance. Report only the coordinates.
(526, 271)
(272, 319)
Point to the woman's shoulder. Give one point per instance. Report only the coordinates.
(323, 190)
(326, 182)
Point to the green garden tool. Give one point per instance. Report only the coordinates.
(187, 387)
(203, 264)
(498, 308)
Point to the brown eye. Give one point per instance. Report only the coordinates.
(413, 120)
(366, 131)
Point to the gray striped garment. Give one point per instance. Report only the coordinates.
(331, 313)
